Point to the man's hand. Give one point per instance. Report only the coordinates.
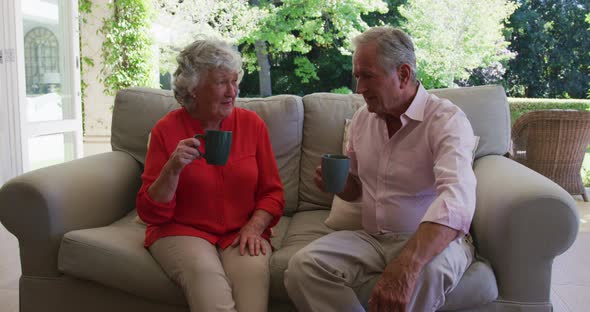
(394, 289)
(393, 292)
(352, 189)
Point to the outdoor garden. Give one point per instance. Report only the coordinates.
(538, 50)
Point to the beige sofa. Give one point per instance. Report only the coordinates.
(81, 249)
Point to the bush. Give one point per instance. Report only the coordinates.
(341, 90)
(519, 106)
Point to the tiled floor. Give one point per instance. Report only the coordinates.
(570, 288)
(570, 291)
(9, 271)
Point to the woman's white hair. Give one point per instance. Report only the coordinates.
(199, 57)
(394, 47)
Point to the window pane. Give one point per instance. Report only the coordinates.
(47, 150)
(47, 70)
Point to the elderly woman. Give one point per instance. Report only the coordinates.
(209, 226)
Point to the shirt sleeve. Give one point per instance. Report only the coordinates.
(452, 142)
(149, 210)
(269, 193)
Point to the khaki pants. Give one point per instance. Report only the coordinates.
(337, 272)
(213, 279)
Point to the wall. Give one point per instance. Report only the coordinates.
(97, 105)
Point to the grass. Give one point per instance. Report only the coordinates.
(586, 170)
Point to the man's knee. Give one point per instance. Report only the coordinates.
(299, 268)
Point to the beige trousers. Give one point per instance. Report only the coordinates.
(337, 272)
(213, 279)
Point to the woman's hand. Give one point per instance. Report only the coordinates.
(250, 234)
(250, 237)
(186, 151)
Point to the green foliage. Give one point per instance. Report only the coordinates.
(586, 170)
(519, 106)
(588, 21)
(341, 90)
(453, 37)
(298, 26)
(333, 69)
(127, 50)
(186, 20)
(84, 10)
(552, 43)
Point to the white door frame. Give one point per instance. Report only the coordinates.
(15, 129)
(11, 89)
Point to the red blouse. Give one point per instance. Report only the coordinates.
(212, 202)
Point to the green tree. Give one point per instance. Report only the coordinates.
(127, 50)
(454, 37)
(588, 20)
(186, 20)
(293, 28)
(552, 45)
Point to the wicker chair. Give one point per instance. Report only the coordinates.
(553, 143)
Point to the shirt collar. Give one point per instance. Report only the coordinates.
(416, 109)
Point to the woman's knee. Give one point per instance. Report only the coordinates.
(249, 267)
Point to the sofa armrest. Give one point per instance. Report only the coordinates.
(40, 206)
(522, 222)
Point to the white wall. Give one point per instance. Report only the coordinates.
(97, 105)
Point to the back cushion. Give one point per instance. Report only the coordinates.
(283, 115)
(487, 110)
(325, 117)
(137, 110)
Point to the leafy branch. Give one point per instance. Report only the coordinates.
(127, 50)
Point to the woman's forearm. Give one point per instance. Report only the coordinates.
(164, 188)
(260, 220)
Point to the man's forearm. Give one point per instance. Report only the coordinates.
(429, 240)
(352, 190)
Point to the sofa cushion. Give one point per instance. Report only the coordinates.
(130, 133)
(283, 115)
(114, 256)
(323, 129)
(487, 109)
(304, 227)
(476, 287)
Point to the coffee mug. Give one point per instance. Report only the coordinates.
(217, 146)
(335, 172)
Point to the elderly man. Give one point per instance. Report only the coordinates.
(411, 156)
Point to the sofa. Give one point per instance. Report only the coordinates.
(81, 246)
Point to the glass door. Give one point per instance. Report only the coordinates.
(51, 114)
(40, 105)
(49, 98)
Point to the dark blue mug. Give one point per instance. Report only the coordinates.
(335, 172)
(217, 146)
